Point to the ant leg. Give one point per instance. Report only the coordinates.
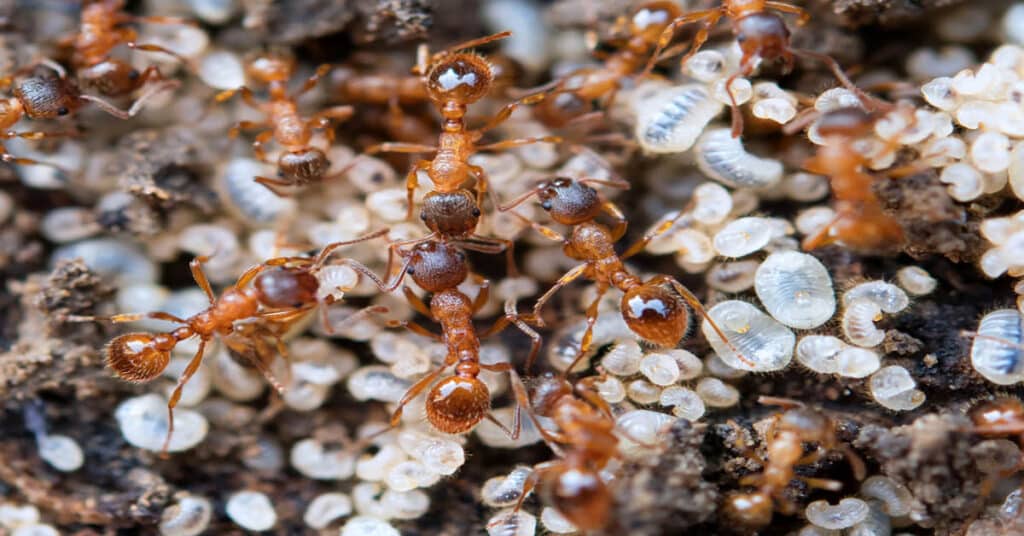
(696, 305)
(569, 277)
(857, 466)
(257, 145)
(399, 147)
(821, 483)
(415, 390)
(415, 328)
(481, 296)
(136, 106)
(157, 48)
(506, 111)
(805, 17)
(469, 44)
(196, 266)
(132, 317)
(734, 108)
(486, 244)
(710, 18)
(247, 96)
(313, 79)
(272, 184)
(822, 237)
(547, 232)
(517, 201)
(363, 270)
(191, 369)
(411, 182)
(519, 142)
(870, 102)
(329, 249)
(661, 229)
(249, 275)
(588, 334)
(416, 302)
(8, 157)
(234, 131)
(621, 223)
(358, 315)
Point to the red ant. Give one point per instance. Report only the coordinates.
(785, 440)
(103, 29)
(300, 163)
(761, 34)
(656, 309)
(245, 317)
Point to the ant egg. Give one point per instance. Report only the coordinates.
(623, 359)
(685, 403)
(234, 380)
(984, 83)
(310, 458)
(505, 490)
(706, 66)
(440, 454)
(661, 369)
(894, 388)
(744, 236)
(796, 289)
(643, 392)
(732, 277)
(190, 516)
(916, 280)
(672, 118)
(819, 353)
(388, 204)
(327, 508)
(996, 353)
(723, 158)
(778, 110)
(896, 499)
(368, 526)
(641, 425)
(143, 423)
(250, 199)
(741, 91)
(805, 187)
(115, 260)
(555, 522)
(376, 382)
(61, 452)
(853, 362)
(404, 504)
(716, 393)
(887, 296)
(611, 390)
(510, 523)
(251, 510)
(847, 513)
(762, 340)
(990, 152)
(965, 182)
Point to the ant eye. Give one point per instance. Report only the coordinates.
(410, 270)
(423, 215)
(134, 74)
(62, 111)
(460, 255)
(476, 212)
(546, 205)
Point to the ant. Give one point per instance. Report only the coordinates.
(860, 222)
(762, 35)
(458, 403)
(49, 97)
(656, 309)
(300, 163)
(785, 440)
(102, 29)
(282, 291)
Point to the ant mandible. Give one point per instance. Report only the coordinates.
(761, 34)
(785, 440)
(656, 309)
(283, 291)
(300, 163)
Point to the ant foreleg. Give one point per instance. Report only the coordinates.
(311, 82)
(196, 267)
(569, 277)
(133, 110)
(191, 369)
(416, 302)
(588, 334)
(710, 18)
(661, 229)
(519, 142)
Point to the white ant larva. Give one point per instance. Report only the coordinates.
(768, 343)
(858, 323)
(670, 120)
(997, 352)
(723, 158)
(796, 289)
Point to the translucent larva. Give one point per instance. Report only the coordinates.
(894, 388)
(820, 353)
(997, 353)
(723, 158)
(796, 289)
(858, 323)
(761, 339)
(888, 297)
(671, 119)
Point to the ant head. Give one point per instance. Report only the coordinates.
(651, 19)
(763, 35)
(999, 412)
(139, 357)
(456, 404)
(303, 165)
(436, 266)
(271, 66)
(464, 78)
(848, 122)
(47, 97)
(656, 313)
(569, 202)
(751, 510)
(452, 214)
(286, 287)
(546, 390)
(580, 495)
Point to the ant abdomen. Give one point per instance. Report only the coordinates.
(656, 313)
(762, 33)
(112, 77)
(139, 357)
(453, 214)
(750, 510)
(303, 165)
(457, 404)
(465, 78)
(569, 202)
(283, 288)
(581, 497)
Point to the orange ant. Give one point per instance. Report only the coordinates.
(245, 316)
(300, 163)
(860, 222)
(656, 309)
(785, 440)
(761, 34)
(102, 29)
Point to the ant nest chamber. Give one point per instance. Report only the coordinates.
(512, 268)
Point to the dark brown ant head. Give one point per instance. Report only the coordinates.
(457, 404)
(580, 495)
(569, 202)
(849, 122)
(589, 241)
(437, 266)
(656, 313)
(546, 390)
(749, 510)
(451, 214)
(111, 77)
(47, 97)
(463, 78)
(303, 165)
(286, 287)
(763, 35)
(271, 66)
(140, 357)
(651, 19)
(1002, 412)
